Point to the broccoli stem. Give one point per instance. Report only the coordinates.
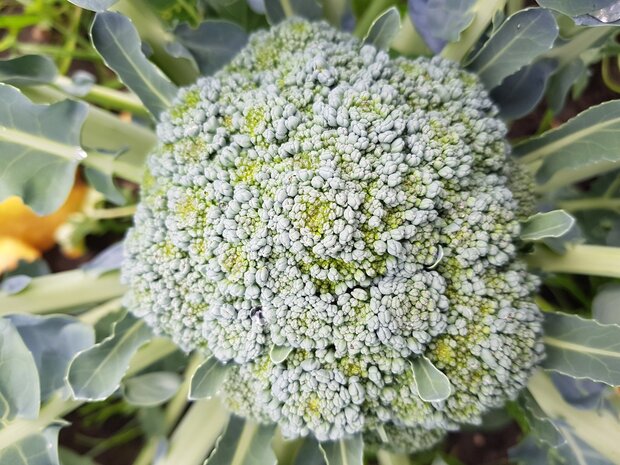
(185, 448)
(47, 294)
(484, 11)
(390, 458)
(593, 203)
(579, 259)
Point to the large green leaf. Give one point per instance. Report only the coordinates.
(244, 443)
(579, 149)
(606, 304)
(384, 29)
(275, 12)
(576, 7)
(96, 373)
(207, 379)
(151, 389)
(36, 449)
(561, 83)
(432, 384)
(28, 70)
(348, 451)
(521, 39)
(213, 43)
(94, 5)
(53, 341)
(39, 149)
(521, 92)
(309, 9)
(540, 424)
(582, 348)
(549, 224)
(20, 395)
(117, 40)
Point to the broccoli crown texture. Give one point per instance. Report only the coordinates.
(349, 211)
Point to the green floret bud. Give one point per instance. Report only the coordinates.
(358, 210)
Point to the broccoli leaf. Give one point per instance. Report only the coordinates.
(28, 70)
(151, 389)
(575, 7)
(540, 226)
(523, 37)
(440, 21)
(583, 147)
(118, 42)
(39, 149)
(213, 44)
(96, 373)
(35, 449)
(582, 348)
(20, 395)
(344, 452)
(605, 304)
(53, 341)
(309, 9)
(207, 379)
(94, 5)
(432, 384)
(244, 443)
(275, 12)
(384, 29)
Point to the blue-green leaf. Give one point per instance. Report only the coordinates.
(108, 260)
(561, 83)
(309, 9)
(53, 341)
(349, 451)
(94, 5)
(96, 373)
(213, 44)
(575, 7)
(521, 92)
(440, 21)
(207, 379)
(579, 149)
(540, 424)
(540, 226)
(102, 178)
(582, 348)
(36, 449)
(117, 40)
(606, 305)
(28, 70)
(432, 384)
(519, 41)
(275, 12)
(151, 389)
(20, 395)
(384, 29)
(244, 443)
(279, 353)
(39, 149)
(309, 453)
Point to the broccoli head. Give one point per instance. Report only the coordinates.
(351, 213)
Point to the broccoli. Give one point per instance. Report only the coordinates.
(321, 198)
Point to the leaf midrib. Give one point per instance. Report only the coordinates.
(73, 153)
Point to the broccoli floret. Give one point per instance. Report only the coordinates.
(319, 196)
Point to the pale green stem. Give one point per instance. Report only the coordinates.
(595, 203)
(375, 8)
(93, 315)
(197, 433)
(109, 213)
(572, 49)
(286, 450)
(579, 259)
(25, 48)
(597, 427)
(484, 11)
(70, 40)
(111, 99)
(514, 6)
(173, 412)
(57, 407)
(390, 458)
(50, 293)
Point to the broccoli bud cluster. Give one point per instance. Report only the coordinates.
(352, 211)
